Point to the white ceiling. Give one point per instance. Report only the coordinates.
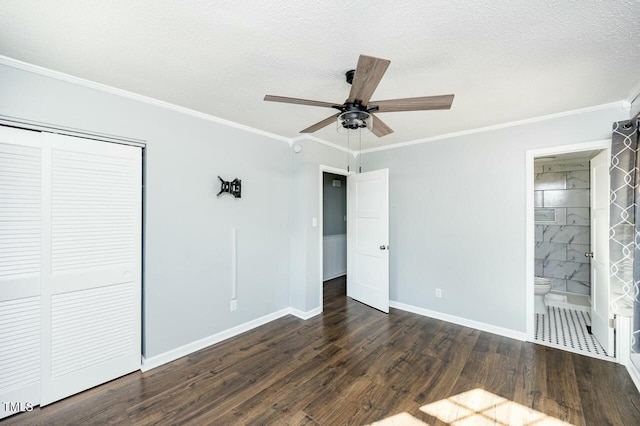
(505, 60)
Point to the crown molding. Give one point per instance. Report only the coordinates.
(321, 141)
(619, 104)
(634, 94)
(5, 60)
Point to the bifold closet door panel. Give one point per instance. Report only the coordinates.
(91, 297)
(20, 268)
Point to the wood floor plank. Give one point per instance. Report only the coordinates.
(563, 387)
(531, 383)
(292, 390)
(605, 393)
(444, 375)
(356, 365)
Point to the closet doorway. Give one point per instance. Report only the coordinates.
(70, 265)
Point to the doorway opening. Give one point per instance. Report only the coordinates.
(567, 245)
(367, 236)
(333, 230)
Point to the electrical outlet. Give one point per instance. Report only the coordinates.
(438, 292)
(234, 304)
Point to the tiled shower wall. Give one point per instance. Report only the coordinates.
(562, 241)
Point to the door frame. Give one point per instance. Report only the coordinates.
(336, 171)
(529, 217)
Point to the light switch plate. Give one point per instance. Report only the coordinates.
(234, 304)
(314, 222)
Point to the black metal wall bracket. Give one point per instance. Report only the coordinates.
(234, 187)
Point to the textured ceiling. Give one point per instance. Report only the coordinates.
(505, 60)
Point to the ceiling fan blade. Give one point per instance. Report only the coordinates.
(369, 72)
(414, 104)
(284, 99)
(319, 125)
(380, 128)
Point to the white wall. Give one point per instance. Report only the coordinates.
(457, 211)
(188, 229)
(457, 216)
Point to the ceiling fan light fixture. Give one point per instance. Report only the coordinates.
(357, 112)
(354, 120)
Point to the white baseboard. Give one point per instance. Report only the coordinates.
(635, 374)
(330, 277)
(560, 299)
(305, 315)
(506, 332)
(623, 348)
(172, 355)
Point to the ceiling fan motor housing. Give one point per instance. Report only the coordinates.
(355, 115)
(354, 119)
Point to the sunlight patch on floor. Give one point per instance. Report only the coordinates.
(480, 407)
(476, 407)
(402, 419)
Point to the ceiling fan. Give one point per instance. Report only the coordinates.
(356, 110)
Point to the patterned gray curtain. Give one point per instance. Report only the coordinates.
(634, 291)
(624, 243)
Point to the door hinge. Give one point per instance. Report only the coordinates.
(612, 323)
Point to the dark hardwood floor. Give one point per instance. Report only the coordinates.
(355, 365)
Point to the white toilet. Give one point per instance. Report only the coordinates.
(542, 287)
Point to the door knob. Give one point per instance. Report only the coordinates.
(383, 247)
(588, 254)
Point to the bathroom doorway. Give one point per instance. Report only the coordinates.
(567, 286)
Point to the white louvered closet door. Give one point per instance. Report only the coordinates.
(91, 295)
(20, 268)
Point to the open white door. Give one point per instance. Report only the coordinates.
(600, 309)
(368, 238)
(92, 264)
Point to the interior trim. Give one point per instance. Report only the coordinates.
(619, 104)
(465, 322)
(173, 354)
(4, 60)
(323, 142)
(634, 94)
(634, 373)
(22, 123)
(530, 155)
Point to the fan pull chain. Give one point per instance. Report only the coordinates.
(348, 151)
(348, 137)
(360, 151)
